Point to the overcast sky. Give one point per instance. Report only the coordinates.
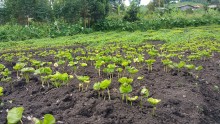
(143, 2)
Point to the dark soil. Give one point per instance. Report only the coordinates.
(185, 99)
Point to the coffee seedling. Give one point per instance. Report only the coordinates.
(153, 102)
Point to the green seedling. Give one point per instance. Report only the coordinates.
(132, 70)
(18, 67)
(6, 74)
(150, 63)
(153, 102)
(58, 79)
(110, 70)
(132, 99)
(83, 64)
(43, 72)
(125, 63)
(190, 67)
(1, 91)
(98, 65)
(26, 73)
(119, 70)
(48, 119)
(138, 60)
(166, 63)
(35, 63)
(140, 77)
(180, 65)
(153, 53)
(96, 87)
(2, 67)
(104, 85)
(83, 79)
(125, 87)
(14, 115)
(74, 66)
(199, 68)
(144, 94)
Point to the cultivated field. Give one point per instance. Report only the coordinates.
(169, 76)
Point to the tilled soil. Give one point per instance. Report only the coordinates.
(184, 99)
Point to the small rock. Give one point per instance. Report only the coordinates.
(184, 96)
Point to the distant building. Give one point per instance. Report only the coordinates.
(213, 6)
(186, 7)
(174, 1)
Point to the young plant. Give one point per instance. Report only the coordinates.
(58, 79)
(119, 70)
(44, 72)
(150, 63)
(110, 70)
(125, 63)
(1, 91)
(48, 119)
(18, 67)
(140, 77)
(179, 65)
(14, 115)
(125, 87)
(2, 67)
(35, 63)
(96, 87)
(26, 73)
(74, 66)
(83, 79)
(5, 75)
(83, 64)
(153, 102)
(132, 71)
(199, 68)
(189, 67)
(144, 94)
(153, 53)
(98, 65)
(166, 63)
(104, 85)
(132, 99)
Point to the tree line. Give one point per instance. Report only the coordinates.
(85, 12)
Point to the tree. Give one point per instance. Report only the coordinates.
(133, 10)
(21, 10)
(158, 3)
(99, 10)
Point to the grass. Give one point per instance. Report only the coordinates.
(101, 38)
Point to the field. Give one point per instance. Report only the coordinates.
(169, 76)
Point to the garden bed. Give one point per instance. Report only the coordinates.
(184, 98)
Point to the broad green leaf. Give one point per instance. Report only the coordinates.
(1, 67)
(125, 80)
(199, 68)
(153, 101)
(132, 98)
(37, 121)
(125, 88)
(1, 91)
(15, 115)
(19, 66)
(145, 92)
(49, 119)
(27, 70)
(105, 84)
(96, 86)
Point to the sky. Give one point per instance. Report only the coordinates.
(143, 2)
